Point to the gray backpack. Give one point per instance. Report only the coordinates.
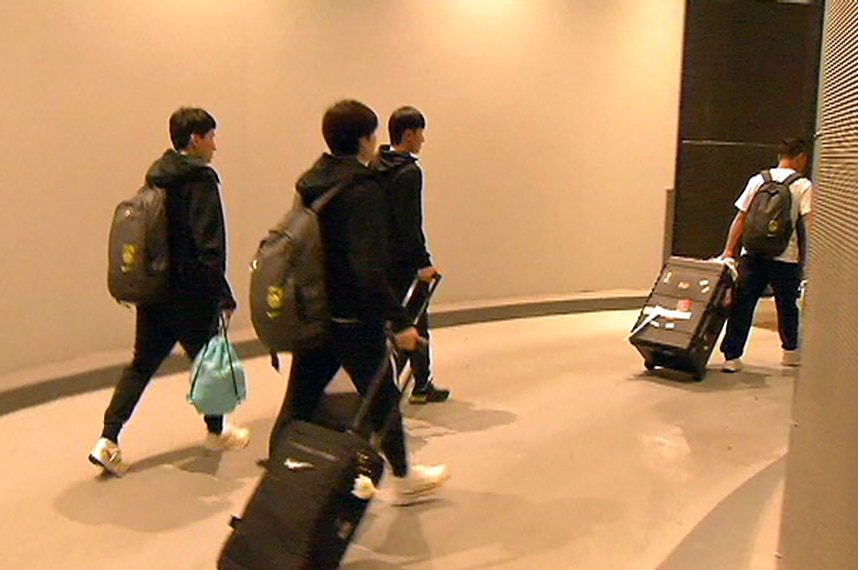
(768, 222)
(138, 259)
(288, 295)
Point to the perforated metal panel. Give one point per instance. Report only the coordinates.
(820, 520)
(832, 313)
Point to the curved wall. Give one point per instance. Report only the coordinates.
(551, 138)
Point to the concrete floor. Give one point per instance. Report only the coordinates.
(565, 454)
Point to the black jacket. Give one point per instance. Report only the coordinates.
(353, 228)
(197, 234)
(402, 181)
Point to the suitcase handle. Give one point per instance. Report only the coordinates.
(389, 363)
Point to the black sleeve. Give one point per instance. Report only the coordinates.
(368, 257)
(208, 230)
(407, 194)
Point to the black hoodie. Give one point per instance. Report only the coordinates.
(197, 234)
(354, 237)
(402, 181)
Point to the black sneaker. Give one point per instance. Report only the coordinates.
(429, 394)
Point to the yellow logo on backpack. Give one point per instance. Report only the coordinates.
(129, 255)
(274, 300)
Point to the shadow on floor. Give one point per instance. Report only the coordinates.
(459, 416)
(423, 422)
(751, 378)
(152, 501)
(166, 491)
(502, 530)
(431, 421)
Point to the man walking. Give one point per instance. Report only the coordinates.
(402, 180)
(199, 292)
(354, 239)
(781, 270)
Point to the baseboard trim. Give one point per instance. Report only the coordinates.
(45, 391)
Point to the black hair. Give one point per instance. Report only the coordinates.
(403, 119)
(345, 123)
(187, 121)
(792, 147)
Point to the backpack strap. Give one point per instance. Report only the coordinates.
(767, 177)
(322, 200)
(792, 178)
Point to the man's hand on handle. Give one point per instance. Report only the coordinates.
(409, 339)
(426, 273)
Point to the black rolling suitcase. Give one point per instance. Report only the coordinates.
(316, 488)
(683, 315)
(307, 505)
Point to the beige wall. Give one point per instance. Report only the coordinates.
(551, 138)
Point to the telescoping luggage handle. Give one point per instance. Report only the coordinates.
(389, 362)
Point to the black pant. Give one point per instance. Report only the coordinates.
(361, 350)
(420, 359)
(755, 273)
(189, 322)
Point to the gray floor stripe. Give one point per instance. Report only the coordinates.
(721, 538)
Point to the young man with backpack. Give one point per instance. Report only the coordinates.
(362, 303)
(198, 294)
(773, 209)
(402, 181)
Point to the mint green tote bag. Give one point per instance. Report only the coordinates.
(218, 384)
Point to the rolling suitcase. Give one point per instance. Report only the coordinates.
(683, 315)
(316, 488)
(308, 503)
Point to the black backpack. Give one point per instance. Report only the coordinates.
(288, 295)
(768, 222)
(138, 257)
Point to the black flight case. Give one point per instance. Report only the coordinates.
(683, 315)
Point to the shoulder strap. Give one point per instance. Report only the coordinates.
(792, 178)
(322, 200)
(767, 176)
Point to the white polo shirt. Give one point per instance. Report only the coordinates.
(801, 193)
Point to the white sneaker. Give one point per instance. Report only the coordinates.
(106, 454)
(733, 365)
(791, 358)
(420, 484)
(231, 438)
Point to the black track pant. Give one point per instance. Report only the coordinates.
(755, 273)
(421, 359)
(360, 349)
(191, 323)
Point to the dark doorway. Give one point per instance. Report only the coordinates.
(750, 75)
